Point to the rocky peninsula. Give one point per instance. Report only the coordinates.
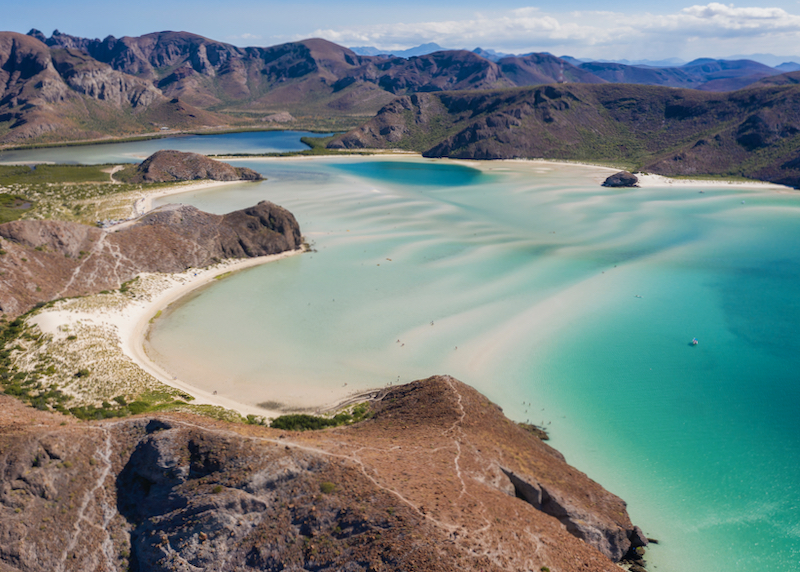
(436, 479)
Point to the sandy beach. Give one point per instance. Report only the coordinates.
(646, 180)
(131, 322)
(145, 203)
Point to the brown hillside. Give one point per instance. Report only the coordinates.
(57, 94)
(753, 132)
(424, 485)
(47, 260)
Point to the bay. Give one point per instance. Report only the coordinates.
(568, 304)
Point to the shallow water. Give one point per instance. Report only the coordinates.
(532, 272)
(534, 277)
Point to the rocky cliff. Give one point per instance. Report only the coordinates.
(46, 260)
(437, 479)
(168, 165)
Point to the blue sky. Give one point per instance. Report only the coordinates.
(613, 29)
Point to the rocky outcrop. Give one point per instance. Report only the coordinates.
(60, 92)
(621, 179)
(424, 484)
(606, 535)
(101, 82)
(45, 260)
(167, 166)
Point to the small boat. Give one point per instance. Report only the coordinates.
(694, 341)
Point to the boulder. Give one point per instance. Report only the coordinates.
(621, 179)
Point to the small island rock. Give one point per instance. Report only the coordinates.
(168, 165)
(621, 179)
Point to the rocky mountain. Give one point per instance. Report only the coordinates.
(46, 260)
(168, 165)
(437, 479)
(420, 50)
(49, 93)
(66, 87)
(787, 67)
(753, 132)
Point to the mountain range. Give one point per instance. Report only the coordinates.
(753, 133)
(66, 87)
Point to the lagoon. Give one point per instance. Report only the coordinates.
(566, 303)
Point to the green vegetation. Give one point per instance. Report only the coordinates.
(33, 387)
(327, 487)
(26, 386)
(316, 146)
(126, 286)
(13, 207)
(53, 174)
(78, 193)
(536, 430)
(303, 422)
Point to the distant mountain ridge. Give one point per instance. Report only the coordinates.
(66, 87)
(421, 50)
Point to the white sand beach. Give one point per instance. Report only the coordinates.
(131, 321)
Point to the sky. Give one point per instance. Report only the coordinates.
(614, 29)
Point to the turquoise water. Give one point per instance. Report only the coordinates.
(530, 275)
(534, 276)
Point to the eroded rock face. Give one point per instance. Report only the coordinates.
(45, 260)
(425, 484)
(605, 534)
(621, 179)
(168, 165)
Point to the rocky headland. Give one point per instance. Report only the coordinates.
(45, 260)
(437, 479)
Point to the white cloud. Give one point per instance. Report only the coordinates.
(712, 29)
(245, 37)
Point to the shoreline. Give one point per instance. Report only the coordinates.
(138, 324)
(144, 204)
(646, 181)
(132, 322)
